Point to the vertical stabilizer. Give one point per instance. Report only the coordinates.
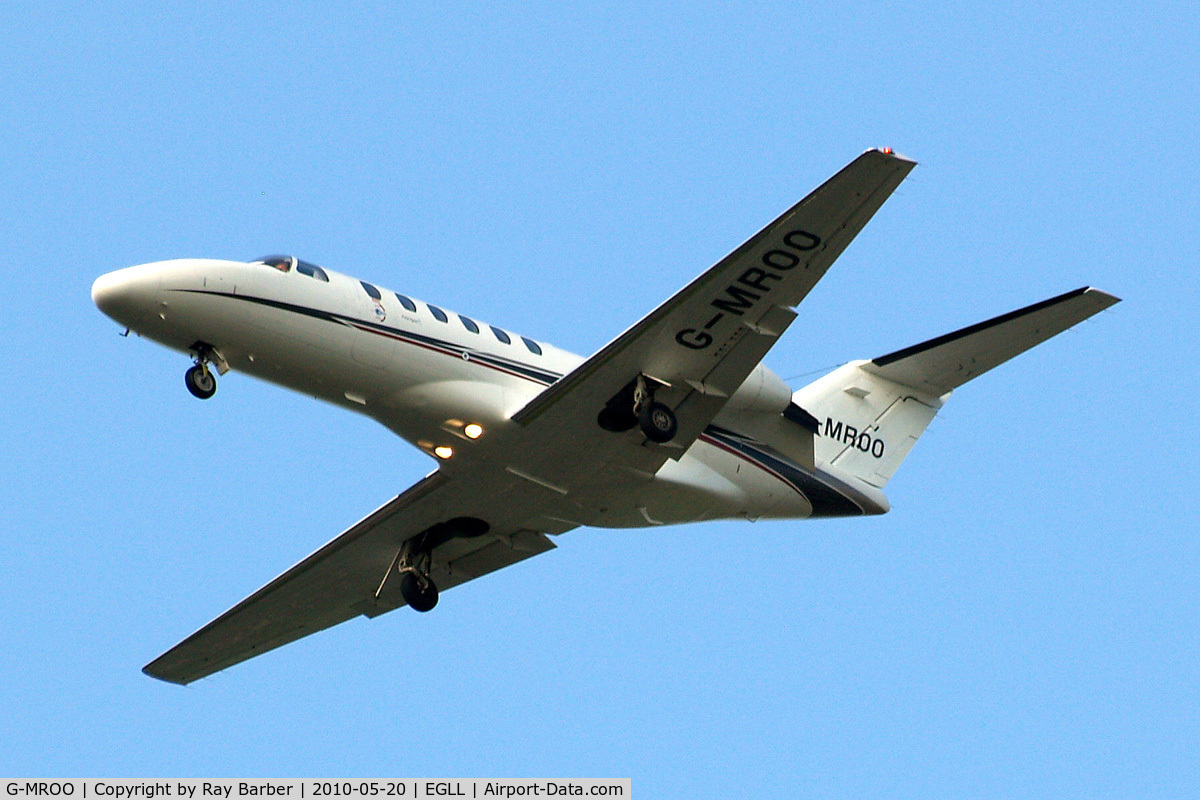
(866, 424)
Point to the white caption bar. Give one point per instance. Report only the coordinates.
(127, 789)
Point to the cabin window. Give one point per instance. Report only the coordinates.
(533, 346)
(372, 292)
(408, 304)
(438, 314)
(469, 324)
(311, 270)
(501, 335)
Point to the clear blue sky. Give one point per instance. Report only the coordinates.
(1023, 624)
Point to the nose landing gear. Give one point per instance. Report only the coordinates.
(200, 381)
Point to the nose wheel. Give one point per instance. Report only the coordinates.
(199, 378)
(200, 381)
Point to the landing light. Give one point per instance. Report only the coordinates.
(473, 431)
(443, 452)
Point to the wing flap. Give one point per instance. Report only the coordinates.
(501, 553)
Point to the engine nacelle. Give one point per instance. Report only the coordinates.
(762, 392)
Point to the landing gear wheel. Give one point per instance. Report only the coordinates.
(200, 382)
(419, 592)
(658, 423)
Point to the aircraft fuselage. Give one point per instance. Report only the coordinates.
(431, 376)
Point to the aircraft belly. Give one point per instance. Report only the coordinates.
(699, 486)
(763, 493)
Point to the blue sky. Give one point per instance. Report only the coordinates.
(1022, 624)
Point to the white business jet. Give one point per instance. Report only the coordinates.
(674, 421)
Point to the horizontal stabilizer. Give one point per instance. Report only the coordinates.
(942, 364)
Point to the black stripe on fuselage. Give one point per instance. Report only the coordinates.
(498, 363)
(828, 496)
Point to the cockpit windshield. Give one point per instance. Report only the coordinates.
(286, 263)
(281, 263)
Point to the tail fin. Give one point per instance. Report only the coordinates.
(871, 413)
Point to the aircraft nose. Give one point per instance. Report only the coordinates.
(126, 295)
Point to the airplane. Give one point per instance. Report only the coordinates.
(676, 420)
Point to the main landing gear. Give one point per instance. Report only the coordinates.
(414, 562)
(635, 406)
(419, 590)
(658, 423)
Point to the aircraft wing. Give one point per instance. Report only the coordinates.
(342, 579)
(704, 342)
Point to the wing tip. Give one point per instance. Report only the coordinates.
(1104, 297)
(151, 672)
(892, 154)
